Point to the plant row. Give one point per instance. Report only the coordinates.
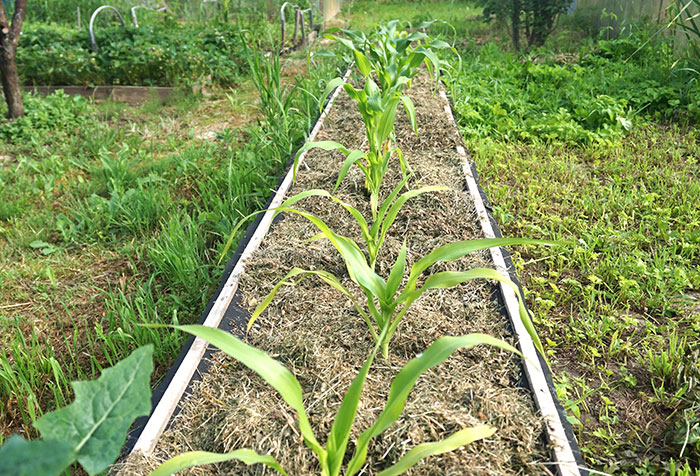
(92, 429)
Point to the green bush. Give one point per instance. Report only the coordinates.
(594, 98)
(154, 55)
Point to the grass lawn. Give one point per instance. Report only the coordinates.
(113, 216)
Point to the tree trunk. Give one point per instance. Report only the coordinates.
(10, 83)
(515, 24)
(9, 39)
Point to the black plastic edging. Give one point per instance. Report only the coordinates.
(233, 313)
(545, 368)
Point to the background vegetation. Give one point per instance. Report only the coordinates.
(111, 216)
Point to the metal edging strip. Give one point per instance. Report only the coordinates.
(566, 462)
(158, 421)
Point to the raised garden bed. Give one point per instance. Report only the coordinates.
(315, 331)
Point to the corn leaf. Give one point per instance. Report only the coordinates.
(330, 87)
(269, 369)
(459, 249)
(404, 382)
(396, 274)
(340, 431)
(95, 424)
(19, 457)
(410, 111)
(352, 157)
(198, 458)
(394, 210)
(451, 443)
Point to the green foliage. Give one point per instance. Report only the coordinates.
(386, 306)
(593, 101)
(393, 56)
(19, 457)
(57, 113)
(152, 55)
(333, 455)
(92, 429)
(535, 19)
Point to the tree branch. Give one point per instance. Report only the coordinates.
(17, 20)
(4, 25)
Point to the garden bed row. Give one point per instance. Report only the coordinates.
(316, 333)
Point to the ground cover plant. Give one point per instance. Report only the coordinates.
(127, 229)
(591, 140)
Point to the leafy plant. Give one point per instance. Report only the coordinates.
(378, 114)
(92, 429)
(386, 306)
(332, 456)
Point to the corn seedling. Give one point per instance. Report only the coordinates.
(378, 114)
(392, 53)
(331, 457)
(386, 306)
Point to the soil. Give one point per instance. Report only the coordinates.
(321, 339)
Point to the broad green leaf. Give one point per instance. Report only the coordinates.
(396, 274)
(199, 458)
(386, 122)
(19, 457)
(405, 380)
(363, 64)
(343, 41)
(95, 424)
(269, 369)
(451, 443)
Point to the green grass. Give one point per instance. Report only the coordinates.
(587, 142)
(112, 216)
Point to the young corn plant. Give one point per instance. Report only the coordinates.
(392, 53)
(374, 234)
(378, 114)
(386, 305)
(331, 456)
